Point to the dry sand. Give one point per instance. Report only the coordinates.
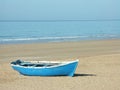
(98, 69)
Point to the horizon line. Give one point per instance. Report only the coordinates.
(59, 20)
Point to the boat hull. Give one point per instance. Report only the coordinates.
(66, 69)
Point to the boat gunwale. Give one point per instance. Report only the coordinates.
(61, 64)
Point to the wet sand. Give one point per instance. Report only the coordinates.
(98, 68)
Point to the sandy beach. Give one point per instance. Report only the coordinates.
(98, 68)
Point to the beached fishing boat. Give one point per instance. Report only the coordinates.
(45, 68)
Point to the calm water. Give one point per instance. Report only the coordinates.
(57, 31)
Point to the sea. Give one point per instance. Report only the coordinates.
(57, 31)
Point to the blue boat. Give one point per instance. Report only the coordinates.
(45, 68)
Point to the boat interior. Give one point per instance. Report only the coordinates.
(32, 64)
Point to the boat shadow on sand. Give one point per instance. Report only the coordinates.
(83, 75)
(75, 75)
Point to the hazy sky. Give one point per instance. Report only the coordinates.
(59, 9)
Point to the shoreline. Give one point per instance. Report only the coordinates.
(59, 41)
(98, 68)
(38, 42)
